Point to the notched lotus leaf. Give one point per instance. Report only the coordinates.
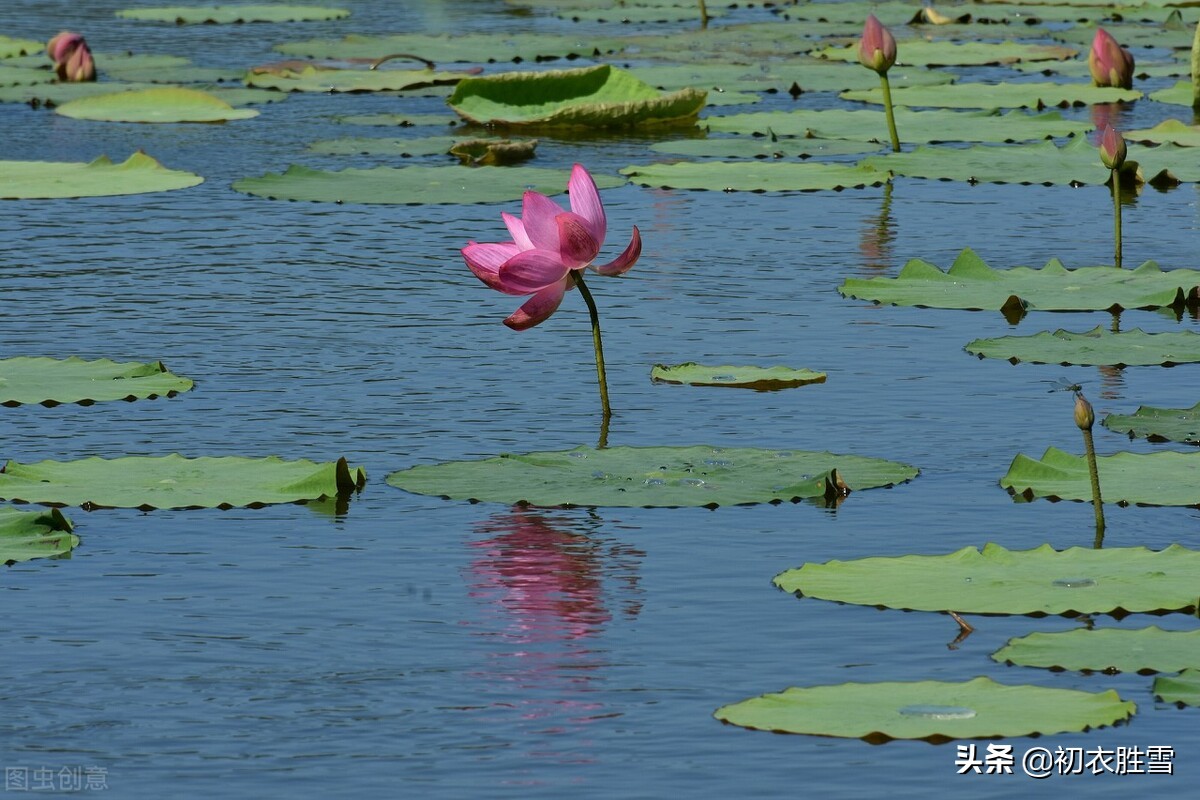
(589, 97)
(934, 710)
(493, 152)
(1097, 347)
(1042, 581)
(653, 477)
(165, 104)
(399, 120)
(916, 126)
(1159, 424)
(971, 284)
(233, 14)
(763, 379)
(24, 76)
(1145, 479)
(952, 54)
(1183, 689)
(794, 76)
(632, 13)
(333, 80)
(176, 482)
(742, 176)
(51, 95)
(1179, 95)
(411, 185)
(1171, 131)
(763, 147)
(51, 381)
(472, 47)
(384, 146)
(24, 180)
(11, 47)
(1109, 650)
(997, 95)
(25, 535)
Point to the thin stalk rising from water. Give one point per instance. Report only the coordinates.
(1084, 419)
(891, 114)
(1116, 192)
(606, 409)
(703, 14)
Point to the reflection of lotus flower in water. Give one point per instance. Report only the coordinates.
(72, 57)
(1110, 64)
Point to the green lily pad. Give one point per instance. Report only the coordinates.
(626, 14)
(1042, 581)
(997, 95)
(57, 94)
(1132, 37)
(388, 146)
(652, 477)
(1183, 688)
(1180, 94)
(411, 185)
(1145, 479)
(25, 535)
(934, 710)
(1111, 650)
(746, 147)
(11, 47)
(758, 378)
(399, 120)
(176, 482)
(183, 74)
(809, 76)
(313, 79)
(165, 104)
(1171, 131)
(953, 54)
(24, 76)
(972, 284)
(226, 15)
(589, 97)
(471, 47)
(51, 381)
(1078, 68)
(914, 126)
(1159, 424)
(1097, 347)
(25, 180)
(741, 176)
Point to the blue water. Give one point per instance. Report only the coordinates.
(410, 646)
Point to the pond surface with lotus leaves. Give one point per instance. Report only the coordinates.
(401, 644)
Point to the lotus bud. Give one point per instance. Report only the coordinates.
(1110, 64)
(877, 47)
(1112, 148)
(59, 48)
(72, 57)
(1085, 418)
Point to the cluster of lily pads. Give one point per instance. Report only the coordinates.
(968, 132)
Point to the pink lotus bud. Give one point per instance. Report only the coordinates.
(1085, 418)
(1112, 148)
(877, 47)
(1110, 64)
(59, 48)
(79, 67)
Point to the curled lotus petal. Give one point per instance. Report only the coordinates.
(624, 262)
(516, 229)
(537, 308)
(485, 260)
(79, 67)
(531, 271)
(577, 247)
(585, 201)
(60, 46)
(538, 215)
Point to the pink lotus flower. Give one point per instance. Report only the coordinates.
(1110, 64)
(1112, 148)
(72, 57)
(549, 247)
(877, 47)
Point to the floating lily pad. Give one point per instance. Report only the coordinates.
(183, 74)
(952, 54)
(165, 104)
(934, 710)
(1180, 94)
(808, 76)
(1041, 581)
(1183, 688)
(916, 126)
(313, 79)
(1171, 131)
(634, 13)
(25, 535)
(51, 381)
(997, 95)
(57, 94)
(176, 482)
(1159, 424)
(746, 147)
(1145, 479)
(972, 284)
(225, 15)
(589, 97)
(24, 76)
(399, 120)
(741, 176)
(472, 47)
(1110, 650)
(1097, 347)
(10, 47)
(652, 477)
(389, 146)
(758, 378)
(22, 180)
(411, 185)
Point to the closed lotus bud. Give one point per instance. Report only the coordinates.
(1110, 64)
(1112, 148)
(79, 67)
(59, 48)
(877, 47)
(1085, 418)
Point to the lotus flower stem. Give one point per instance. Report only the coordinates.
(1116, 193)
(375, 64)
(601, 378)
(891, 114)
(1085, 417)
(703, 15)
